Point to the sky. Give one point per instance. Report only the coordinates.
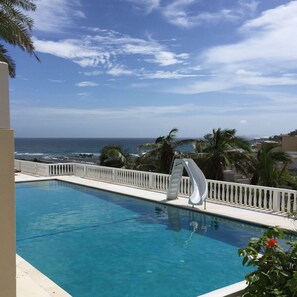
(138, 68)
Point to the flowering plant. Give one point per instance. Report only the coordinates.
(276, 273)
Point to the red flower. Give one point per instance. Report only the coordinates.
(271, 242)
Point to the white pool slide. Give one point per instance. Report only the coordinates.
(198, 181)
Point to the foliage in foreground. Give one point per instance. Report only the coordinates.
(276, 273)
(15, 29)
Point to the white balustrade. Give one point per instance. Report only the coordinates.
(99, 173)
(61, 169)
(27, 166)
(79, 170)
(255, 197)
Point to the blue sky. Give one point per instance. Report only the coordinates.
(138, 68)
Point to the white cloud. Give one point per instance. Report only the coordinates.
(156, 110)
(137, 111)
(139, 85)
(92, 73)
(56, 15)
(82, 94)
(79, 51)
(131, 121)
(166, 75)
(70, 49)
(270, 38)
(119, 70)
(104, 48)
(263, 58)
(266, 81)
(270, 18)
(158, 53)
(202, 86)
(146, 5)
(166, 58)
(86, 84)
(190, 13)
(56, 80)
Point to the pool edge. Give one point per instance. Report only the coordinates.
(33, 283)
(234, 290)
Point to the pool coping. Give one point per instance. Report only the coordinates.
(262, 218)
(32, 283)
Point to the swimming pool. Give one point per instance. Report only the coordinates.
(97, 243)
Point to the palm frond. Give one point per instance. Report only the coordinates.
(15, 28)
(7, 59)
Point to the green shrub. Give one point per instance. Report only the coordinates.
(276, 273)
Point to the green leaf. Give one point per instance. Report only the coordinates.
(292, 284)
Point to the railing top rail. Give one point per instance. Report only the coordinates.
(250, 186)
(59, 164)
(27, 161)
(121, 169)
(45, 164)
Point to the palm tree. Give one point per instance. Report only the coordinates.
(270, 166)
(161, 153)
(15, 29)
(113, 156)
(222, 150)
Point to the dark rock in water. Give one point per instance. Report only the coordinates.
(85, 155)
(88, 159)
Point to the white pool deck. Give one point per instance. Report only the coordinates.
(31, 282)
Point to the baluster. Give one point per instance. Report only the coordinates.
(264, 196)
(236, 194)
(294, 202)
(283, 207)
(211, 190)
(223, 197)
(288, 202)
(270, 200)
(214, 190)
(246, 202)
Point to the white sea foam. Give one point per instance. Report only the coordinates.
(28, 154)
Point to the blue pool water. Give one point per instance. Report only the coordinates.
(96, 243)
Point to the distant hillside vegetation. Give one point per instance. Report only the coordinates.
(293, 133)
(278, 138)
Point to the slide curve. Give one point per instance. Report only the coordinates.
(198, 181)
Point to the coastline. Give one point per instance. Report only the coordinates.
(79, 150)
(66, 150)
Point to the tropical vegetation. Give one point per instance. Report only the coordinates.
(275, 271)
(270, 166)
(15, 29)
(158, 156)
(221, 150)
(114, 156)
(215, 153)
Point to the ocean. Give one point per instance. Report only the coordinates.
(72, 149)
